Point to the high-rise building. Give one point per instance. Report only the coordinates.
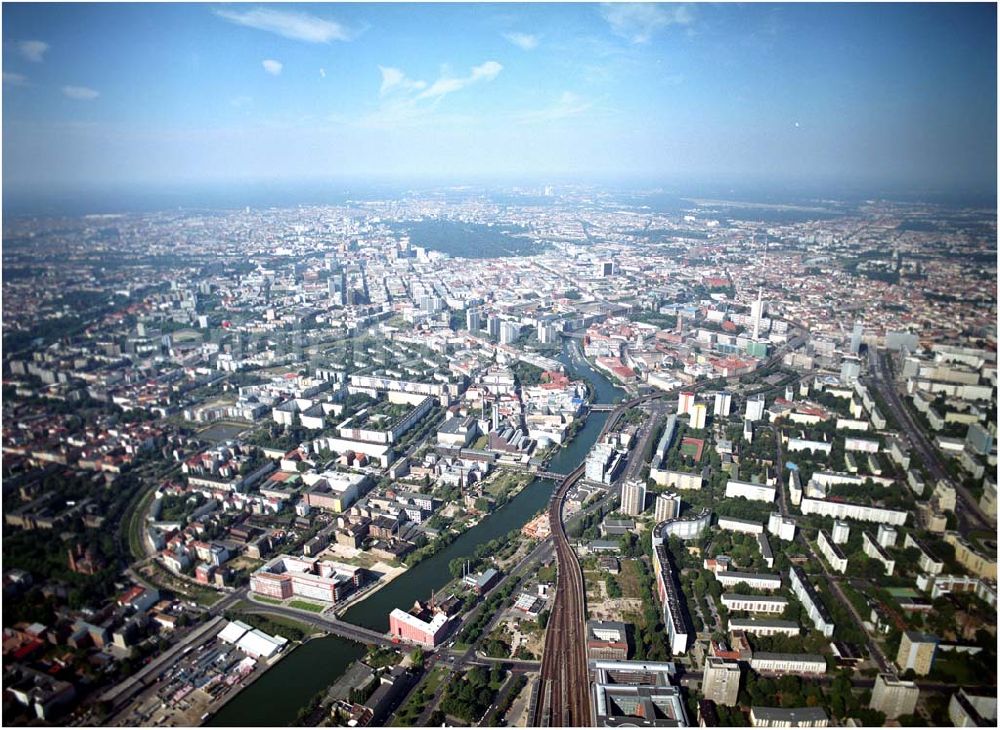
(850, 369)
(699, 412)
(966, 709)
(493, 325)
(755, 407)
(684, 402)
(841, 532)
(546, 333)
(894, 697)
(607, 268)
(666, 507)
(916, 652)
(856, 334)
(633, 498)
(723, 403)
(472, 320)
(509, 332)
(721, 681)
(337, 284)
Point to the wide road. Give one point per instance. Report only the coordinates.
(324, 622)
(969, 515)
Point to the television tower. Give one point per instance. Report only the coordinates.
(755, 312)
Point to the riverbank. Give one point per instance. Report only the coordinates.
(260, 672)
(276, 699)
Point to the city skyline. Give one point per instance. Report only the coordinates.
(900, 96)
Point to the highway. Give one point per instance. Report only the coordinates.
(967, 508)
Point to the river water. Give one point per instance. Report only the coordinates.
(276, 697)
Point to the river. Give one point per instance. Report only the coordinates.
(276, 697)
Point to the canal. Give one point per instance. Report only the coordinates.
(276, 697)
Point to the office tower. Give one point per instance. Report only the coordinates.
(666, 507)
(699, 412)
(472, 321)
(493, 325)
(856, 334)
(684, 403)
(633, 498)
(723, 403)
(894, 697)
(755, 407)
(916, 652)
(606, 268)
(721, 681)
(789, 393)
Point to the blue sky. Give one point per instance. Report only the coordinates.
(874, 95)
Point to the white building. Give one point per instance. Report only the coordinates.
(894, 697)
(759, 581)
(765, 626)
(873, 550)
(723, 403)
(633, 498)
(887, 536)
(755, 408)
(747, 490)
(667, 507)
(734, 524)
(846, 510)
(754, 604)
(806, 594)
(781, 526)
(721, 681)
(841, 532)
(686, 528)
(832, 552)
(788, 663)
(699, 414)
(685, 402)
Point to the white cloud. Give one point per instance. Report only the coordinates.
(272, 67)
(14, 79)
(394, 79)
(446, 85)
(524, 41)
(288, 24)
(80, 93)
(567, 105)
(409, 102)
(638, 22)
(322, 73)
(33, 50)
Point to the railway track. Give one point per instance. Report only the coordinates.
(564, 698)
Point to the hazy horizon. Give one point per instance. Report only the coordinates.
(875, 98)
